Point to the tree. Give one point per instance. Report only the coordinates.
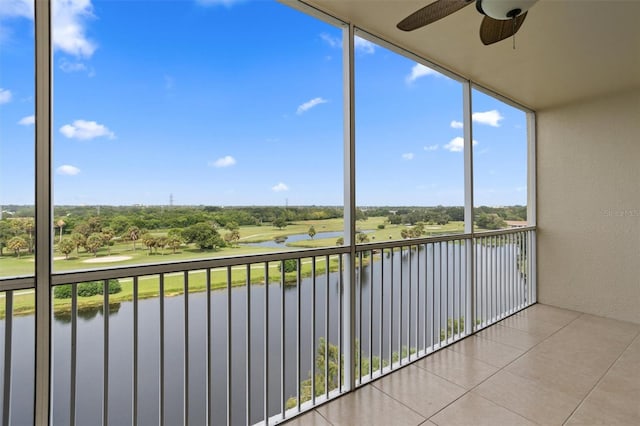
(161, 243)
(232, 226)
(404, 233)
(107, 235)
(6, 233)
(311, 232)
(60, 224)
(93, 243)
(362, 238)
(280, 222)
(174, 242)
(340, 241)
(490, 221)
(149, 241)
(17, 244)
(232, 237)
(133, 233)
(78, 240)
(204, 235)
(28, 226)
(66, 247)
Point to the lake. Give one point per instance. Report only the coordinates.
(405, 303)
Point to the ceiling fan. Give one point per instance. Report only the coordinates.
(502, 18)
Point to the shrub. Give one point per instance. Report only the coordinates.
(381, 226)
(62, 291)
(290, 265)
(86, 289)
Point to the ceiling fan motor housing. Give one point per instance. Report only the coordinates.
(503, 9)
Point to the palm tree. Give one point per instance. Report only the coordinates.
(133, 233)
(60, 224)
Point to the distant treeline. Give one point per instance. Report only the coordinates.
(120, 218)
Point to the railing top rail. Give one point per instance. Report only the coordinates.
(23, 283)
(17, 283)
(504, 231)
(188, 265)
(411, 242)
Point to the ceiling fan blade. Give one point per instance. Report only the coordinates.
(431, 13)
(494, 30)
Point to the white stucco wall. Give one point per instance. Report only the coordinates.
(589, 206)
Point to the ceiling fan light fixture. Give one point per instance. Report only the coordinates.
(503, 9)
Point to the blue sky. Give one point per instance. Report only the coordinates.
(238, 103)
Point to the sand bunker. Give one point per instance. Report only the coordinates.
(107, 259)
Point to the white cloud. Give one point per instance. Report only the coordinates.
(27, 121)
(491, 118)
(67, 170)
(457, 144)
(5, 96)
(310, 104)
(69, 23)
(85, 130)
(331, 41)
(431, 148)
(360, 44)
(408, 156)
(457, 124)
(67, 66)
(14, 8)
(364, 46)
(418, 71)
(225, 161)
(280, 187)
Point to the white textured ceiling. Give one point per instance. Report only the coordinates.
(566, 50)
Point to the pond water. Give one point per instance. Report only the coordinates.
(391, 308)
(294, 238)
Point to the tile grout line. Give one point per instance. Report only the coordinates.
(600, 379)
(321, 415)
(501, 369)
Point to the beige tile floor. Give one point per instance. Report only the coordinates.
(544, 365)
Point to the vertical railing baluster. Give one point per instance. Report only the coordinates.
(409, 304)
(266, 344)
(74, 354)
(229, 341)
(247, 367)
(105, 371)
(370, 314)
(185, 401)
(298, 333)
(454, 284)
(446, 274)
(418, 300)
(426, 301)
(283, 406)
(400, 308)
(209, 343)
(8, 344)
(161, 341)
(134, 391)
(440, 262)
(381, 319)
(359, 312)
(433, 296)
(391, 254)
(313, 330)
(326, 327)
(342, 301)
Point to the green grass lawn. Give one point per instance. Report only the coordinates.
(149, 286)
(10, 265)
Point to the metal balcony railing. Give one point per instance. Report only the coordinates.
(256, 339)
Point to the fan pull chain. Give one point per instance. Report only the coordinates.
(513, 20)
